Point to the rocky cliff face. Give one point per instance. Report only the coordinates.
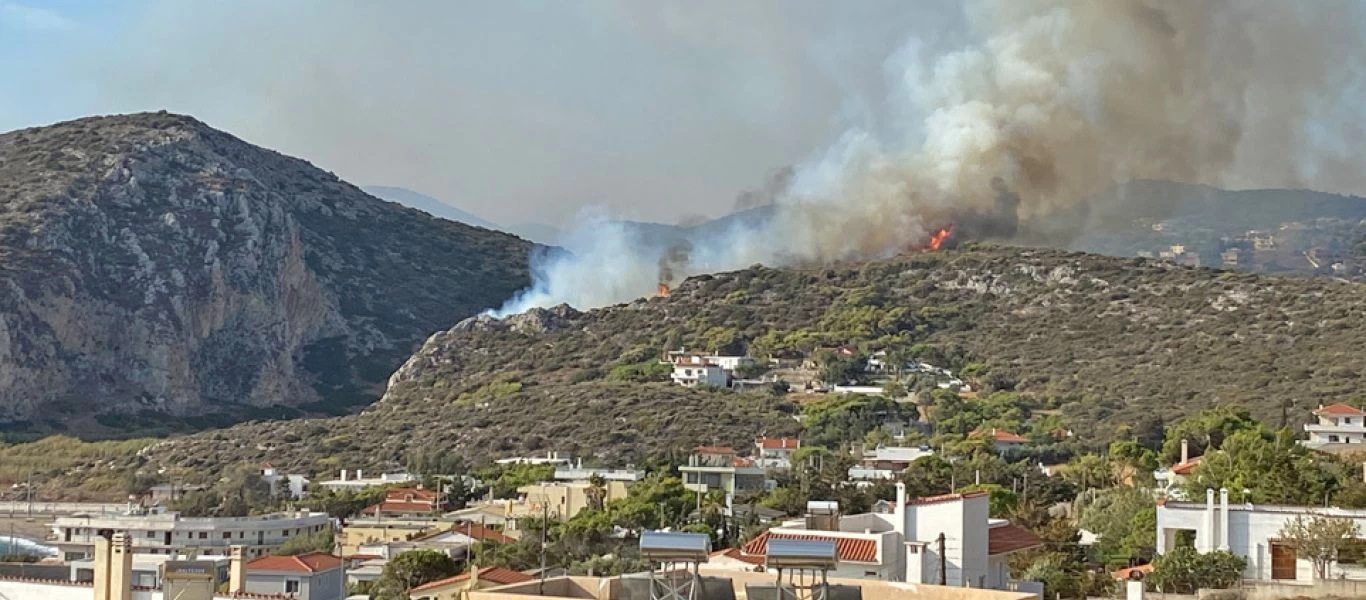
(151, 263)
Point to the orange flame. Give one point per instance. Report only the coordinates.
(663, 290)
(938, 238)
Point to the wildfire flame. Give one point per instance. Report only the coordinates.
(938, 238)
(663, 290)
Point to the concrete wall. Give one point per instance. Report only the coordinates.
(1279, 591)
(610, 589)
(1250, 529)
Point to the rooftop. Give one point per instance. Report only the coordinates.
(1004, 539)
(1000, 435)
(946, 498)
(311, 562)
(495, 575)
(782, 443)
(849, 549)
(1340, 410)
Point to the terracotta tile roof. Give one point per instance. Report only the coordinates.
(1185, 468)
(1004, 539)
(1340, 410)
(362, 556)
(736, 554)
(741, 462)
(848, 549)
(713, 450)
(1126, 572)
(402, 494)
(312, 562)
(478, 532)
(946, 498)
(400, 507)
(782, 443)
(495, 575)
(1000, 436)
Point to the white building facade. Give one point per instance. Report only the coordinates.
(1247, 530)
(1337, 424)
(169, 533)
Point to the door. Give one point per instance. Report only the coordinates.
(1282, 561)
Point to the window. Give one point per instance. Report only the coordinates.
(870, 573)
(227, 535)
(241, 534)
(203, 535)
(151, 535)
(291, 586)
(1332, 439)
(910, 549)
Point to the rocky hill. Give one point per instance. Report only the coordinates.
(1105, 340)
(156, 271)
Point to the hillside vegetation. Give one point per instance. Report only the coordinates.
(1100, 342)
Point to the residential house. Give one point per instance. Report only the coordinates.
(1001, 440)
(147, 569)
(893, 458)
(356, 480)
(732, 584)
(564, 499)
(689, 374)
(1337, 424)
(168, 533)
(1250, 531)
(909, 543)
(388, 539)
(359, 532)
(292, 486)
(551, 458)
(408, 502)
(453, 588)
(712, 468)
(775, 453)
(1171, 481)
(312, 576)
(580, 473)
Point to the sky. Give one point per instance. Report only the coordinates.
(515, 110)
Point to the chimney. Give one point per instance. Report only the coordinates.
(359, 475)
(343, 474)
(1223, 518)
(237, 570)
(1208, 541)
(1185, 451)
(102, 575)
(121, 567)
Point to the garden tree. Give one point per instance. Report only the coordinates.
(786, 499)
(503, 480)
(844, 418)
(320, 541)
(1182, 570)
(1271, 466)
(817, 471)
(435, 461)
(411, 569)
(1319, 538)
(596, 492)
(1089, 471)
(841, 370)
(1125, 519)
(1204, 430)
(1001, 500)
(1059, 574)
(343, 504)
(1352, 494)
(640, 509)
(1001, 410)
(928, 476)
(721, 340)
(1131, 463)
(894, 389)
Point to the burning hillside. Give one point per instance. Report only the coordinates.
(1055, 102)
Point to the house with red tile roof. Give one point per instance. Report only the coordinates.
(719, 468)
(452, 588)
(907, 543)
(775, 453)
(1001, 439)
(1337, 424)
(311, 576)
(407, 502)
(1171, 480)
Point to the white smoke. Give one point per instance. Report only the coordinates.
(1058, 101)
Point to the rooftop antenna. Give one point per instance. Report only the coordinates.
(805, 563)
(677, 556)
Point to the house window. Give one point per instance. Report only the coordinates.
(1332, 439)
(151, 535)
(227, 535)
(912, 549)
(203, 535)
(291, 586)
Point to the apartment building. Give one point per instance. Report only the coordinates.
(165, 532)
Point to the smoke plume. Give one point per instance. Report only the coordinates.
(1056, 102)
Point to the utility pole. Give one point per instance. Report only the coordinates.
(943, 565)
(29, 490)
(545, 525)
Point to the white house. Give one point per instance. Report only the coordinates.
(356, 480)
(1337, 424)
(916, 542)
(1247, 530)
(292, 485)
(689, 374)
(712, 468)
(550, 458)
(1171, 480)
(168, 533)
(775, 453)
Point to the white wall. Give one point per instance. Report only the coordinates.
(1250, 530)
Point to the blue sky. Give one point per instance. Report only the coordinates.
(516, 111)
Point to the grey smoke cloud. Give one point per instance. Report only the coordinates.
(1051, 103)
